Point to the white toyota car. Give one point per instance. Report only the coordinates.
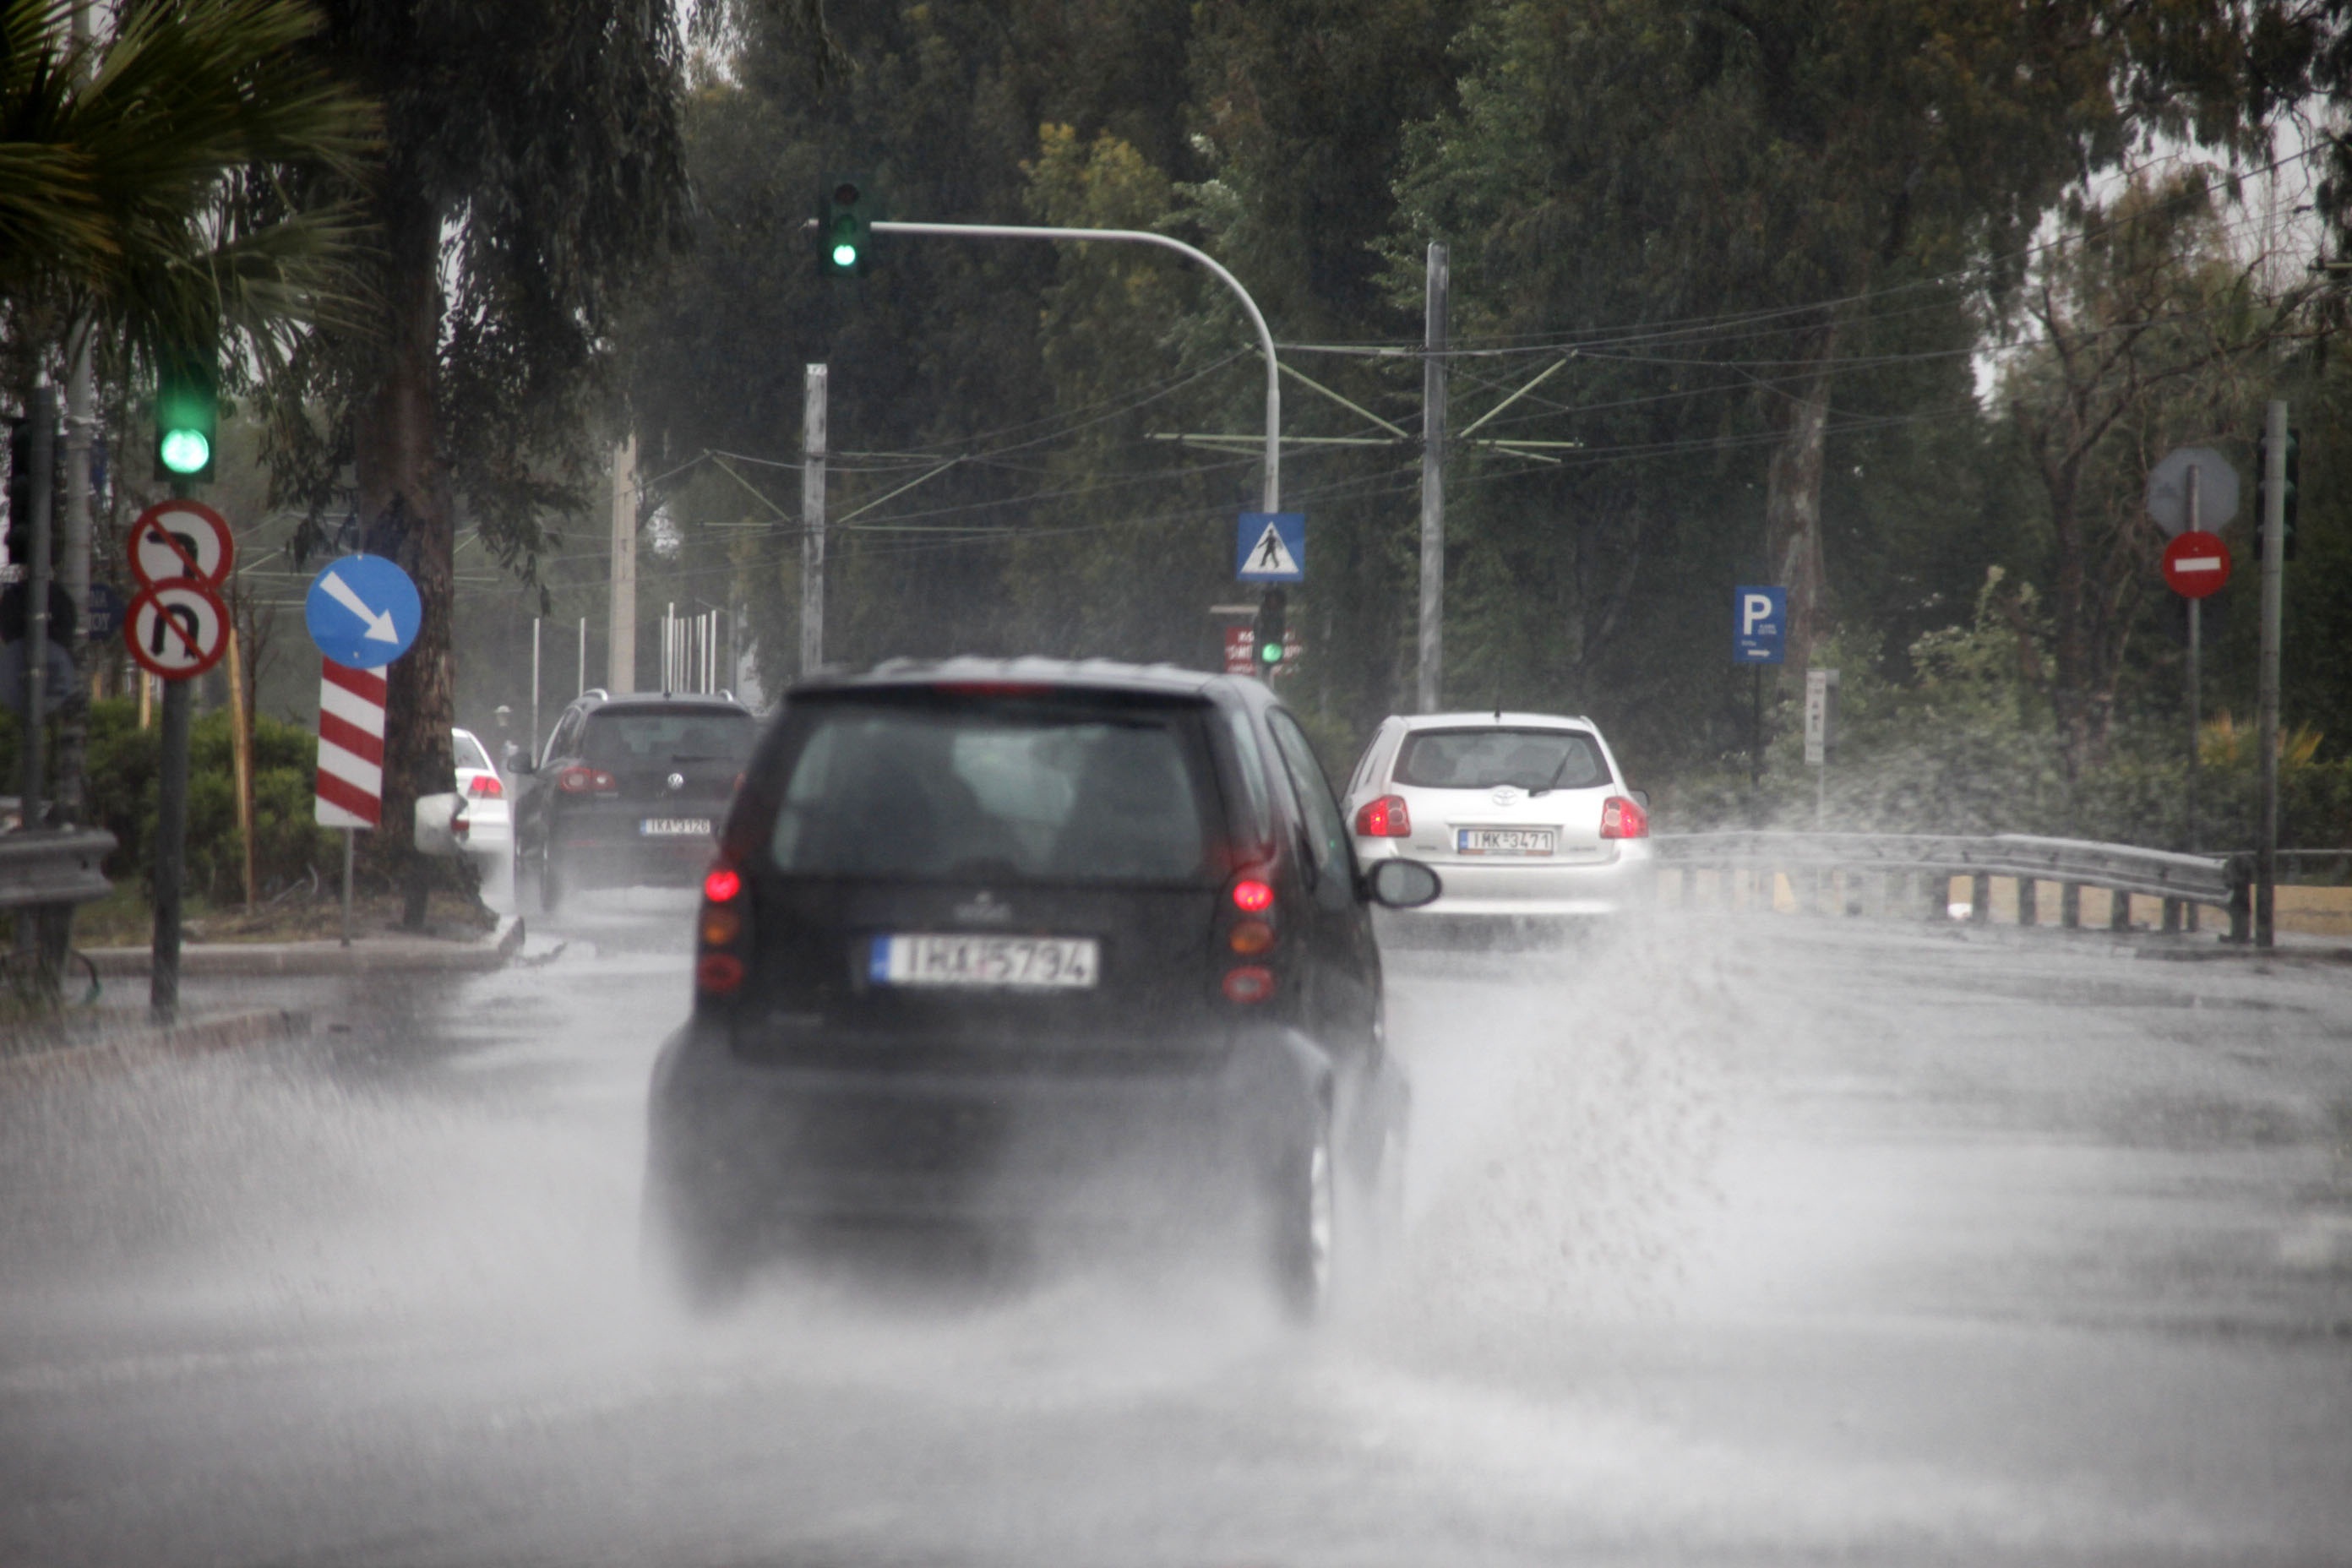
(1524, 816)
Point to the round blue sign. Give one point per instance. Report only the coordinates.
(362, 611)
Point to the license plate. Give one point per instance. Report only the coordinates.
(675, 827)
(1049, 962)
(1503, 840)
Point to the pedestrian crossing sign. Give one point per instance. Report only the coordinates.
(1271, 547)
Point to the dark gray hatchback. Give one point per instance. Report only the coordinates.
(1032, 943)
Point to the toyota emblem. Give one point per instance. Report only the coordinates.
(1507, 794)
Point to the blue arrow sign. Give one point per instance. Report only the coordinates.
(1760, 625)
(1271, 547)
(363, 611)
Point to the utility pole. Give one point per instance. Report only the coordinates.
(813, 524)
(41, 409)
(74, 539)
(621, 636)
(2196, 683)
(1432, 483)
(2273, 526)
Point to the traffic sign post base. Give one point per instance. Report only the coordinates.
(171, 849)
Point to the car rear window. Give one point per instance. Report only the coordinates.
(1000, 788)
(622, 739)
(1481, 759)
(467, 753)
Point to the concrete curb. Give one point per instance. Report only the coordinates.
(367, 955)
(104, 1052)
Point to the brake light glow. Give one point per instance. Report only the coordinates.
(722, 926)
(486, 786)
(1251, 894)
(587, 781)
(721, 886)
(1251, 983)
(1384, 818)
(718, 974)
(1620, 818)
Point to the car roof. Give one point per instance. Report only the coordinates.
(1491, 718)
(655, 701)
(1086, 674)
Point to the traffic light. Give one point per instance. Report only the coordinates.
(187, 419)
(1267, 630)
(845, 226)
(2287, 501)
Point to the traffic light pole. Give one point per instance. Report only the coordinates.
(1271, 493)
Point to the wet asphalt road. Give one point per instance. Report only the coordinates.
(1811, 1241)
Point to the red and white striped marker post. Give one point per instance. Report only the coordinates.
(350, 758)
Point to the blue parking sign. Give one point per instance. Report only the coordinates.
(1760, 625)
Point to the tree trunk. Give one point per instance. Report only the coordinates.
(404, 499)
(1793, 496)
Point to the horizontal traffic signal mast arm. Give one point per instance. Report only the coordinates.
(1271, 492)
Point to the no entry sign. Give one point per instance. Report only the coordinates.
(2196, 564)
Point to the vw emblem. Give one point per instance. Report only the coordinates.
(1506, 795)
(676, 781)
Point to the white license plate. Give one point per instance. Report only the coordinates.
(675, 827)
(1503, 840)
(1052, 963)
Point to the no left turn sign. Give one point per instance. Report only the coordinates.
(176, 630)
(177, 541)
(2195, 563)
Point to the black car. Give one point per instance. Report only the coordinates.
(1030, 942)
(629, 792)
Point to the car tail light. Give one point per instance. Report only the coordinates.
(1250, 983)
(1620, 818)
(1384, 818)
(1250, 937)
(721, 927)
(1253, 896)
(486, 786)
(587, 781)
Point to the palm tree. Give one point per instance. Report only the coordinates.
(139, 172)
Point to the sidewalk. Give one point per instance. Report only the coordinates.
(380, 953)
(105, 1041)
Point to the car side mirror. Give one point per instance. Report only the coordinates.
(1402, 884)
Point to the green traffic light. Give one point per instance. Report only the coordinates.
(845, 255)
(1270, 654)
(185, 451)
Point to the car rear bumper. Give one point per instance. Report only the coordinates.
(618, 854)
(1489, 888)
(761, 1144)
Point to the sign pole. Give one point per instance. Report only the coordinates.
(2196, 640)
(348, 834)
(1755, 736)
(2274, 527)
(1430, 649)
(171, 849)
(813, 440)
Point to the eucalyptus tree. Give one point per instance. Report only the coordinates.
(1791, 168)
(531, 169)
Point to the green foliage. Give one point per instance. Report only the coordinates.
(289, 845)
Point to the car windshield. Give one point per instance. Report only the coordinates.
(621, 739)
(1482, 759)
(1003, 789)
(468, 752)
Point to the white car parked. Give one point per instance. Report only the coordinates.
(490, 830)
(1522, 814)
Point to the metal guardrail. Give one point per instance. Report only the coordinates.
(2180, 881)
(54, 865)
